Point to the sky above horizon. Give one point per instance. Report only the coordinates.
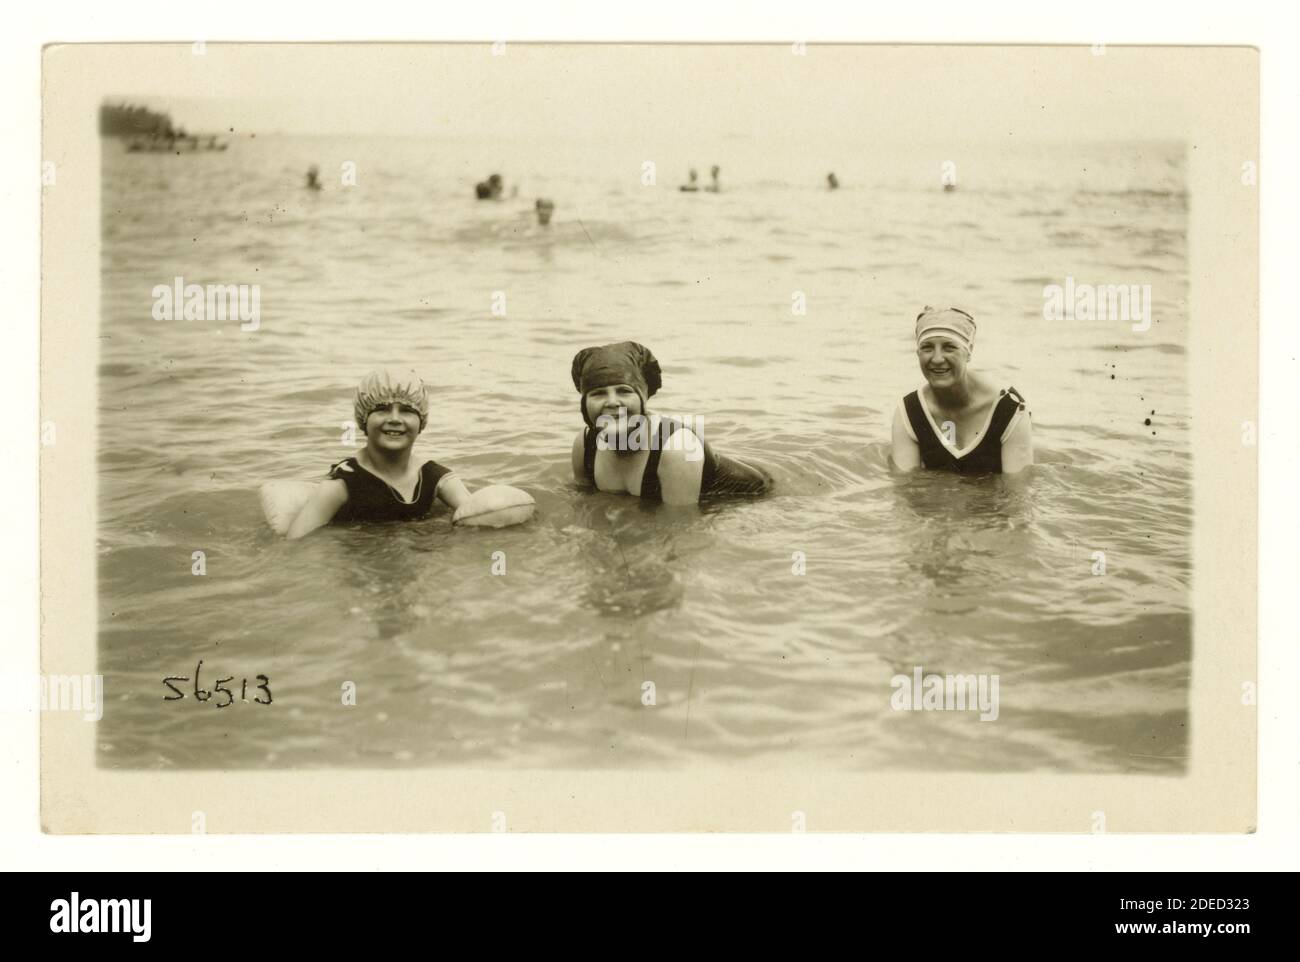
(600, 92)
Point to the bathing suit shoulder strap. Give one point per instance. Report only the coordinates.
(907, 421)
(650, 487)
(344, 470)
(1009, 406)
(354, 480)
(589, 454)
(432, 474)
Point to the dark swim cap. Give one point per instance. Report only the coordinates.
(626, 362)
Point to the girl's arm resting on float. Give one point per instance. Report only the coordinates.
(904, 453)
(452, 491)
(324, 503)
(579, 468)
(681, 469)
(1018, 448)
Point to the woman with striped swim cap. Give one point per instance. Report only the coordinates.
(958, 421)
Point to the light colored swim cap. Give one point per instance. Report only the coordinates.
(948, 322)
(379, 391)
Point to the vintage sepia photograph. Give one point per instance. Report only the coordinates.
(718, 413)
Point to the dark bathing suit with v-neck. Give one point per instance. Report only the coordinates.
(984, 458)
(371, 498)
(722, 475)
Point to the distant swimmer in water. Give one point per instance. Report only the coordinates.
(832, 181)
(490, 189)
(545, 209)
(626, 449)
(716, 185)
(958, 421)
(693, 184)
(313, 178)
(383, 482)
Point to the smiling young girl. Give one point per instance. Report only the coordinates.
(383, 482)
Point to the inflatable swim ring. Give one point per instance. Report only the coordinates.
(495, 506)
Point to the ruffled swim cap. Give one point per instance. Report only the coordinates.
(626, 362)
(379, 391)
(949, 322)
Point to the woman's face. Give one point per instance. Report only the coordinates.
(394, 427)
(943, 361)
(610, 399)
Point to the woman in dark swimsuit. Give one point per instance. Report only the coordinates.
(626, 449)
(383, 483)
(958, 421)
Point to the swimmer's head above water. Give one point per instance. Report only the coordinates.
(664, 460)
(389, 412)
(945, 339)
(960, 420)
(612, 376)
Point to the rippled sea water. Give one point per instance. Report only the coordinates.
(544, 666)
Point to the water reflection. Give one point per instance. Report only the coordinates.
(635, 567)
